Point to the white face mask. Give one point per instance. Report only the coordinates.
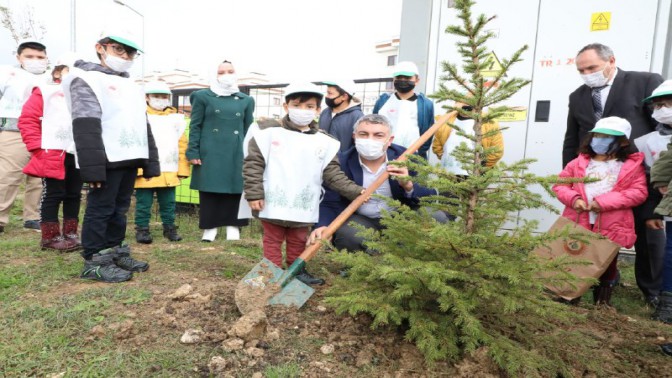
(117, 64)
(663, 115)
(302, 117)
(596, 79)
(35, 66)
(159, 103)
(370, 149)
(227, 80)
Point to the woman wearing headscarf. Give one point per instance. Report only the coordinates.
(220, 117)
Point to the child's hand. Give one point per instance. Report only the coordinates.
(316, 236)
(195, 161)
(594, 206)
(256, 205)
(663, 190)
(367, 198)
(655, 224)
(580, 206)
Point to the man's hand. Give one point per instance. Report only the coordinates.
(256, 205)
(95, 185)
(316, 236)
(663, 190)
(655, 224)
(399, 172)
(580, 206)
(195, 161)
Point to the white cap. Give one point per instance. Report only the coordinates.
(122, 35)
(664, 89)
(157, 87)
(405, 69)
(303, 88)
(613, 126)
(29, 40)
(348, 86)
(67, 59)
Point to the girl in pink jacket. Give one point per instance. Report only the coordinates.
(605, 206)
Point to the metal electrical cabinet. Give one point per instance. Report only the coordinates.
(554, 31)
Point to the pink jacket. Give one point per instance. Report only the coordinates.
(615, 220)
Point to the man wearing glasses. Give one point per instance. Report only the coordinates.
(112, 140)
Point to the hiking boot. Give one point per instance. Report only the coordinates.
(142, 235)
(52, 239)
(102, 268)
(122, 257)
(308, 278)
(32, 224)
(70, 231)
(663, 312)
(653, 301)
(170, 232)
(666, 348)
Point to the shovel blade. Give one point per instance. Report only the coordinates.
(295, 293)
(264, 275)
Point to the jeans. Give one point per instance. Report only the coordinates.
(67, 191)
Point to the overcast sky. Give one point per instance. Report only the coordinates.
(287, 40)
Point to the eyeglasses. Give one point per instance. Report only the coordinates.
(661, 104)
(121, 50)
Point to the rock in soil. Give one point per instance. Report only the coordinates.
(182, 292)
(191, 336)
(217, 364)
(255, 352)
(250, 326)
(327, 349)
(233, 344)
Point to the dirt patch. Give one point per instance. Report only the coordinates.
(252, 294)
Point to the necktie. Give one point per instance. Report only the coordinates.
(597, 102)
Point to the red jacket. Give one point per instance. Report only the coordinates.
(43, 163)
(615, 219)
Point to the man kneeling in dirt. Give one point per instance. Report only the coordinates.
(364, 164)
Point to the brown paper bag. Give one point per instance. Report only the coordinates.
(597, 249)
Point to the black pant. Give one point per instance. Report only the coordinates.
(67, 191)
(649, 255)
(104, 223)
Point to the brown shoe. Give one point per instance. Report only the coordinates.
(52, 239)
(70, 231)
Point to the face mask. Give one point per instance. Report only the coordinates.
(595, 79)
(601, 145)
(663, 115)
(302, 117)
(227, 80)
(35, 66)
(404, 86)
(159, 103)
(117, 64)
(331, 102)
(370, 149)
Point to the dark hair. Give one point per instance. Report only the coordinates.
(129, 50)
(30, 45)
(304, 97)
(340, 91)
(616, 149)
(57, 70)
(603, 51)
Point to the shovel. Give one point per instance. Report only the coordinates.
(266, 283)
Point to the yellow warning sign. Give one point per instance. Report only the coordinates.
(493, 67)
(600, 21)
(514, 114)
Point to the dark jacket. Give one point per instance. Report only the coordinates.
(340, 125)
(88, 132)
(216, 133)
(625, 100)
(425, 117)
(333, 204)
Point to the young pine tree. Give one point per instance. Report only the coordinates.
(467, 284)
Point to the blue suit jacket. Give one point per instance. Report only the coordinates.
(333, 204)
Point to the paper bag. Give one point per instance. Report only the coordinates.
(597, 250)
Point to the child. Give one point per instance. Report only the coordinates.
(605, 206)
(168, 131)
(283, 174)
(112, 140)
(46, 129)
(661, 177)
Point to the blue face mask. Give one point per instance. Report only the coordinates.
(601, 145)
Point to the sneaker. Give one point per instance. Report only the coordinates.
(170, 232)
(232, 233)
(209, 235)
(142, 235)
(308, 278)
(102, 268)
(122, 257)
(32, 224)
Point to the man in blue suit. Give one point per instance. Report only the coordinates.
(364, 164)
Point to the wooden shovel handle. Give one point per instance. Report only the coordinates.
(312, 249)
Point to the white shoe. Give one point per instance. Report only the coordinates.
(209, 235)
(232, 233)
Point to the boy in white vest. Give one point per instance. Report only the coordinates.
(112, 140)
(16, 84)
(283, 175)
(171, 141)
(46, 129)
